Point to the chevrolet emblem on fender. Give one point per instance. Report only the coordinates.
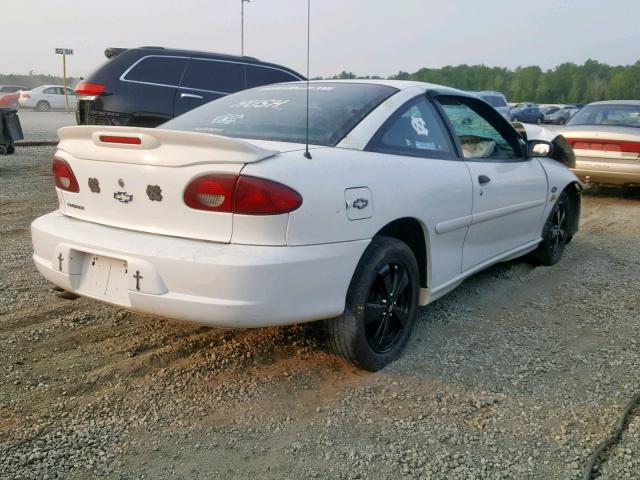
(123, 197)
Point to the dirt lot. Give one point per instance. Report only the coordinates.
(516, 375)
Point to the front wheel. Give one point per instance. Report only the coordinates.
(381, 306)
(555, 234)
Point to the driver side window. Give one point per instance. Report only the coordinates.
(478, 137)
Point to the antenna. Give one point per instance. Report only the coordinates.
(307, 154)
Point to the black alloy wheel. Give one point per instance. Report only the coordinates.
(381, 306)
(388, 307)
(555, 235)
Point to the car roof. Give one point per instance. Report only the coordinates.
(152, 50)
(403, 85)
(617, 102)
(47, 86)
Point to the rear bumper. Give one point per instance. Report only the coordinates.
(608, 172)
(210, 283)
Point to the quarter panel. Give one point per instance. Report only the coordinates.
(432, 191)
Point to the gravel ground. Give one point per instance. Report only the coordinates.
(517, 374)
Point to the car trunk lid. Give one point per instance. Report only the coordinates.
(135, 178)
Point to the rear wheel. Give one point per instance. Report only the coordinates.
(555, 234)
(381, 307)
(43, 106)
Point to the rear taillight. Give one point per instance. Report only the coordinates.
(89, 88)
(604, 145)
(64, 177)
(240, 194)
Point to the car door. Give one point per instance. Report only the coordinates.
(509, 190)
(414, 147)
(205, 80)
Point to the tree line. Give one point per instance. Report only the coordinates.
(567, 83)
(35, 80)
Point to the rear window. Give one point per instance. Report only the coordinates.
(278, 112)
(613, 115)
(224, 77)
(257, 76)
(158, 70)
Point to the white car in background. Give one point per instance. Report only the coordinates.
(220, 216)
(47, 97)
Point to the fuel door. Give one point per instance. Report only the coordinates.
(359, 203)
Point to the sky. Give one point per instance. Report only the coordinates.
(368, 37)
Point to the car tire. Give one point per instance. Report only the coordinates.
(381, 306)
(43, 106)
(3, 150)
(555, 233)
(11, 150)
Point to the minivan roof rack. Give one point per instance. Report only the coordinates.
(113, 52)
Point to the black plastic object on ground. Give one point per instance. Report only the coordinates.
(10, 130)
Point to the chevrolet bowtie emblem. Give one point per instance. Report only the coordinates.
(123, 197)
(360, 203)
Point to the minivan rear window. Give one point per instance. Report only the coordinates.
(160, 70)
(213, 75)
(278, 112)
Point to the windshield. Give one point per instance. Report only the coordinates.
(615, 115)
(278, 112)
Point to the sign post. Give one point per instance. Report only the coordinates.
(64, 52)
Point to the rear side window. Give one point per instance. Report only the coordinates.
(51, 91)
(215, 76)
(158, 70)
(257, 76)
(415, 130)
(278, 112)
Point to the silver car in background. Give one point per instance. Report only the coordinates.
(605, 137)
(497, 100)
(47, 97)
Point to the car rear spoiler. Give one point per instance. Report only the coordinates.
(113, 52)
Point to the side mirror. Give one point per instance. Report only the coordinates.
(539, 149)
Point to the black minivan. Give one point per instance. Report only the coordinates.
(147, 86)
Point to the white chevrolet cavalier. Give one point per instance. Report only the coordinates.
(218, 216)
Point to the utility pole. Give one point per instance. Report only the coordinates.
(242, 26)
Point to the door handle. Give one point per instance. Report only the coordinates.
(191, 95)
(483, 179)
